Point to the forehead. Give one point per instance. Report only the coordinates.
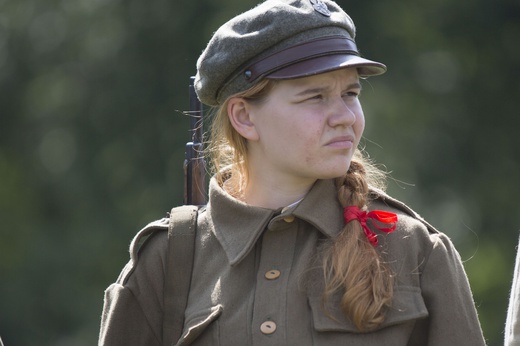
(340, 78)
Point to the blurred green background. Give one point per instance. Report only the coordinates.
(92, 139)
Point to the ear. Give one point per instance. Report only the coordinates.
(239, 113)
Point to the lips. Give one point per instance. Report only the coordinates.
(341, 142)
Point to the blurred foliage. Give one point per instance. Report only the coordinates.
(92, 139)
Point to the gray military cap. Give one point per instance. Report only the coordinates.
(278, 39)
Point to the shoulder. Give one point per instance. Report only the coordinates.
(147, 249)
(409, 221)
(413, 234)
(409, 218)
(415, 245)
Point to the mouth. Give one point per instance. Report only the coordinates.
(341, 142)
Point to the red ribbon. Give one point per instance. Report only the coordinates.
(354, 213)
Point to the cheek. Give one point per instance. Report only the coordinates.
(311, 140)
(359, 125)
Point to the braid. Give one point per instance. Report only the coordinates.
(351, 264)
(352, 187)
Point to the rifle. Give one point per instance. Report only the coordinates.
(194, 164)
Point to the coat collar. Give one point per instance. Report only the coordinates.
(238, 226)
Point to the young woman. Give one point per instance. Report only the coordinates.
(298, 245)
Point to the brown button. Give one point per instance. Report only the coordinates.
(272, 274)
(268, 327)
(289, 218)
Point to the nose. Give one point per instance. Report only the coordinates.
(341, 113)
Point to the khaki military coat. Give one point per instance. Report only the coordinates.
(256, 282)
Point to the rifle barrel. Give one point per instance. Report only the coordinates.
(194, 164)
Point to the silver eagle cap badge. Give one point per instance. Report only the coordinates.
(320, 7)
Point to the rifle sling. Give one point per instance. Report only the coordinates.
(181, 250)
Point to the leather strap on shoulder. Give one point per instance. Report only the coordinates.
(181, 250)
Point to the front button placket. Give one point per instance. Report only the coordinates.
(272, 274)
(270, 304)
(288, 218)
(268, 327)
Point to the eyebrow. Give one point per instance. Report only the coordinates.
(318, 90)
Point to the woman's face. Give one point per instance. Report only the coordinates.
(307, 128)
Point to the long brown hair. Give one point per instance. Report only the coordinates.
(350, 263)
(227, 148)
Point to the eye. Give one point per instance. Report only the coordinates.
(313, 98)
(351, 94)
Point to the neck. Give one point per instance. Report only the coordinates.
(263, 191)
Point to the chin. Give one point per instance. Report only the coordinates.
(340, 170)
(333, 173)
(329, 170)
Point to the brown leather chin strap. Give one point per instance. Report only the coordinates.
(332, 45)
